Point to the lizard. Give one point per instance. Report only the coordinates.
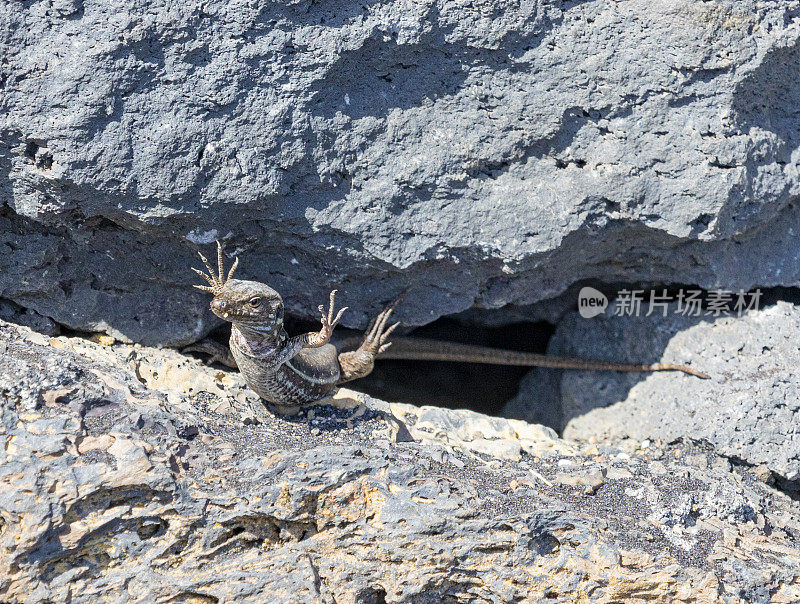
(302, 369)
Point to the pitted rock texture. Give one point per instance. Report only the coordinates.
(131, 474)
(749, 409)
(473, 154)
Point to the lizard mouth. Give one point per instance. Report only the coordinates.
(231, 313)
(221, 309)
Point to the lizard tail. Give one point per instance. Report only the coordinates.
(674, 367)
(434, 350)
(596, 365)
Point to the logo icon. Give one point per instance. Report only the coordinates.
(591, 302)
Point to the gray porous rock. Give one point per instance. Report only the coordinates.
(475, 154)
(13, 313)
(132, 474)
(749, 409)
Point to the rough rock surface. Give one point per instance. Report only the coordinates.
(477, 154)
(131, 474)
(748, 410)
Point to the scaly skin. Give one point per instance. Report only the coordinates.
(281, 369)
(306, 368)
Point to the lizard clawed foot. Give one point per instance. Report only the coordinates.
(215, 281)
(329, 321)
(375, 341)
(358, 363)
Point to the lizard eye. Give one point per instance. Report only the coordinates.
(255, 302)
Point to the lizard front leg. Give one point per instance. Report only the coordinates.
(320, 338)
(360, 362)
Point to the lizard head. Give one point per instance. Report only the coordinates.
(247, 303)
